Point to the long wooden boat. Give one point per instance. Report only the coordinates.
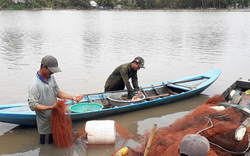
(156, 94)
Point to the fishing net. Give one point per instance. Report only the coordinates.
(218, 127)
(61, 126)
(64, 135)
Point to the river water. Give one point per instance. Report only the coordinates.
(90, 44)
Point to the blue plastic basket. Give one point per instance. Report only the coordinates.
(85, 107)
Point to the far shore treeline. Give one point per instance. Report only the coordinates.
(124, 4)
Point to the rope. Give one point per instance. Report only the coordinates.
(212, 125)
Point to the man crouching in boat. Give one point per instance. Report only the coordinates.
(121, 75)
(43, 92)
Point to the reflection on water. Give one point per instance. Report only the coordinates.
(30, 146)
(90, 44)
(5, 127)
(12, 47)
(161, 122)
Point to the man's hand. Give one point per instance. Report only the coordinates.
(77, 98)
(54, 106)
(140, 93)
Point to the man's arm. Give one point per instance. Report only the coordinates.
(40, 107)
(136, 86)
(64, 95)
(125, 78)
(135, 81)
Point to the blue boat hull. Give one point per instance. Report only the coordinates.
(20, 114)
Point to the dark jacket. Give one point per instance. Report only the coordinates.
(120, 78)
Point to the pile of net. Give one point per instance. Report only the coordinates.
(218, 126)
(61, 126)
(64, 136)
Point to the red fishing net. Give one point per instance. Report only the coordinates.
(61, 126)
(218, 127)
(64, 135)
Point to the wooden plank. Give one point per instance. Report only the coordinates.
(155, 89)
(245, 101)
(157, 96)
(236, 99)
(244, 98)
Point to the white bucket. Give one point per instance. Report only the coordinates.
(100, 132)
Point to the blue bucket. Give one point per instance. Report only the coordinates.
(85, 107)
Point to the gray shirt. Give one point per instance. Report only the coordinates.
(45, 93)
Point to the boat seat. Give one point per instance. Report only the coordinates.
(158, 92)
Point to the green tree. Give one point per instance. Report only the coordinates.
(6, 3)
(141, 4)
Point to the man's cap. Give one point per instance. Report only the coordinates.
(194, 145)
(51, 63)
(140, 61)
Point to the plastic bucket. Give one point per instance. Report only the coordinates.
(100, 131)
(85, 107)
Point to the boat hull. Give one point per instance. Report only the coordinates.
(183, 88)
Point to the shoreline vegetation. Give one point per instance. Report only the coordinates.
(128, 5)
(139, 10)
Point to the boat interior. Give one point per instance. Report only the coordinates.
(238, 93)
(151, 93)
